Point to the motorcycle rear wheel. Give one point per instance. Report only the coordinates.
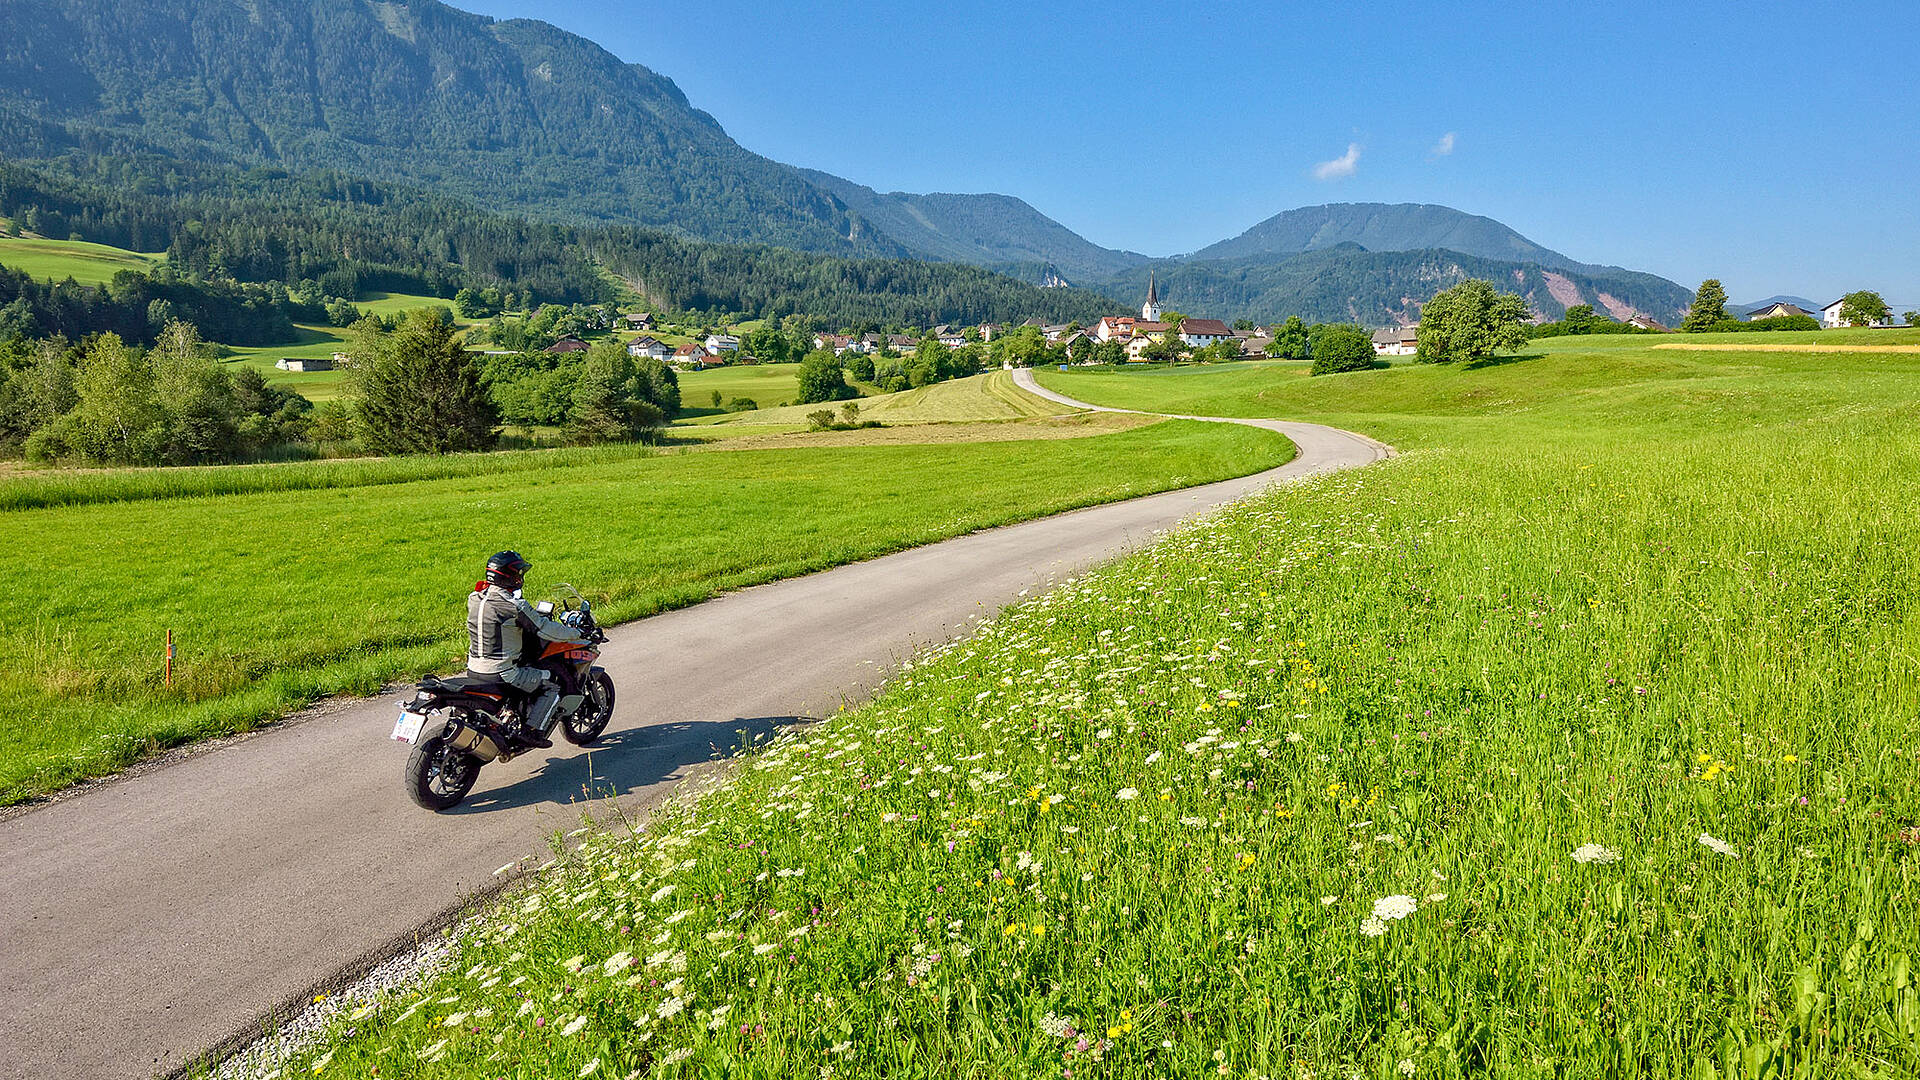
(583, 728)
(438, 776)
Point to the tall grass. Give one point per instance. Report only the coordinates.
(1583, 755)
(80, 487)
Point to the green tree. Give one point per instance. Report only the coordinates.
(1863, 308)
(1580, 319)
(1911, 318)
(1709, 307)
(1469, 322)
(1339, 347)
(1109, 352)
(417, 391)
(203, 417)
(611, 399)
(1290, 340)
(118, 418)
(823, 379)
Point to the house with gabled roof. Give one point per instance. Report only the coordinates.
(648, 347)
(1200, 333)
(1396, 341)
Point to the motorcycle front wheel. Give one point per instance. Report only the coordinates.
(439, 776)
(583, 728)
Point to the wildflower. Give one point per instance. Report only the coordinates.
(590, 1067)
(1396, 906)
(321, 1061)
(670, 1007)
(1594, 853)
(1057, 1027)
(617, 963)
(1720, 846)
(1293, 736)
(1329, 901)
(675, 1057)
(1434, 898)
(574, 1025)
(661, 893)
(1373, 927)
(574, 963)
(1406, 1066)
(1127, 794)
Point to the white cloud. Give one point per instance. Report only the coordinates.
(1444, 146)
(1339, 167)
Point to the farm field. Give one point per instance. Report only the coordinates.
(89, 264)
(766, 384)
(1577, 740)
(287, 583)
(988, 396)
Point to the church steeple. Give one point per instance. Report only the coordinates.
(1150, 311)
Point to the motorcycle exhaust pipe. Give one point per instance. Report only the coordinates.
(475, 742)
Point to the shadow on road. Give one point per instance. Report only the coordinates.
(621, 762)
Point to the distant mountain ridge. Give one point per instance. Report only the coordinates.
(1347, 283)
(519, 116)
(1385, 227)
(987, 230)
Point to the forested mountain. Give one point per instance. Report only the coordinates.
(986, 230)
(1385, 227)
(513, 114)
(325, 235)
(1347, 283)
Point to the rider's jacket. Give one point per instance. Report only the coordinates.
(497, 622)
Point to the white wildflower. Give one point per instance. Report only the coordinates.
(573, 1026)
(661, 893)
(1397, 906)
(675, 1057)
(1595, 853)
(1373, 927)
(1127, 794)
(617, 963)
(670, 1006)
(1720, 846)
(590, 1067)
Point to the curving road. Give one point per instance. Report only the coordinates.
(154, 917)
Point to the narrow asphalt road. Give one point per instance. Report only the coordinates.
(149, 919)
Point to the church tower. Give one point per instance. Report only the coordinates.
(1150, 311)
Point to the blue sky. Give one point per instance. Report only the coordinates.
(1774, 146)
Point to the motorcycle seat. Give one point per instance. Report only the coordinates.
(463, 683)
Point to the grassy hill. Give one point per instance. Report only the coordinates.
(1576, 740)
(58, 260)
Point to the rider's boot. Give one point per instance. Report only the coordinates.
(540, 718)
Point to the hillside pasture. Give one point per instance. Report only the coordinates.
(58, 260)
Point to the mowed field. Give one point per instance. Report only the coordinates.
(287, 583)
(58, 260)
(988, 396)
(1577, 740)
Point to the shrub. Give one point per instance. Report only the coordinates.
(1339, 348)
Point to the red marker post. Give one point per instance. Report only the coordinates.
(169, 659)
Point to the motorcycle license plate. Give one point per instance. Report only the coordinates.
(407, 729)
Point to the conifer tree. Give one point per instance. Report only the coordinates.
(419, 391)
(1709, 307)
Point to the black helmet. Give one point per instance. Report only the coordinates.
(507, 570)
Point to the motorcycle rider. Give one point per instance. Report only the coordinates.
(498, 620)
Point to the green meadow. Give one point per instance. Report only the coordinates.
(1578, 740)
(286, 583)
(58, 260)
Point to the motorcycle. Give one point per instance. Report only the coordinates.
(456, 725)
